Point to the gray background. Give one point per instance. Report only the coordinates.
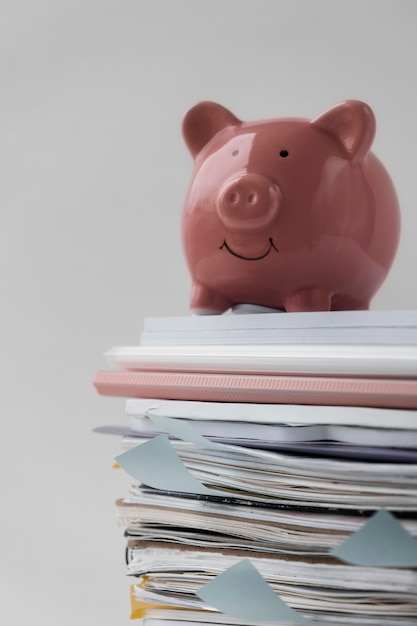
(93, 174)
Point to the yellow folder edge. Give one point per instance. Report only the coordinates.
(139, 607)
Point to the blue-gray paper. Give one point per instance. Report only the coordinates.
(181, 430)
(156, 464)
(380, 542)
(242, 592)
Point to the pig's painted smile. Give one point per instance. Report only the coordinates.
(248, 258)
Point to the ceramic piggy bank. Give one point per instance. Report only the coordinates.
(291, 214)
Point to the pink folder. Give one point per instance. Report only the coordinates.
(177, 385)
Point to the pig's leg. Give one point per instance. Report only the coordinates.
(205, 301)
(318, 299)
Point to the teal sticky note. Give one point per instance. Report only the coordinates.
(381, 542)
(156, 464)
(181, 429)
(242, 592)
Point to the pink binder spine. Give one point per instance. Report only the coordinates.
(371, 392)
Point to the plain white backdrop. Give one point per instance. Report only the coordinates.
(93, 174)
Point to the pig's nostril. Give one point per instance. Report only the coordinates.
(234, 197)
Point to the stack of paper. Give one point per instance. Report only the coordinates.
(275, 466)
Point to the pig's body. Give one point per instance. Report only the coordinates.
(288, 214)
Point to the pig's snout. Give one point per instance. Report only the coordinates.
(248, 203)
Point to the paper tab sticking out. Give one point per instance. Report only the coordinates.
(181, 430)
(380, 542)
(242, 592)
(156, 464)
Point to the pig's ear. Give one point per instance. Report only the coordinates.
(352, 124)
(202, 122)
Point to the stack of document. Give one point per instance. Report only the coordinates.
(274, 459)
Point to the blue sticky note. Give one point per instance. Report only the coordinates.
(181, 429)
(381, 542)
(242, 592)
(156, 464)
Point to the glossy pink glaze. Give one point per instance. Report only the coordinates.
(288, 213)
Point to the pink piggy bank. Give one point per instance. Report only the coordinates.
(289, 213)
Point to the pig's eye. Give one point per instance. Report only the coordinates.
(284, 153)
(235, 152)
